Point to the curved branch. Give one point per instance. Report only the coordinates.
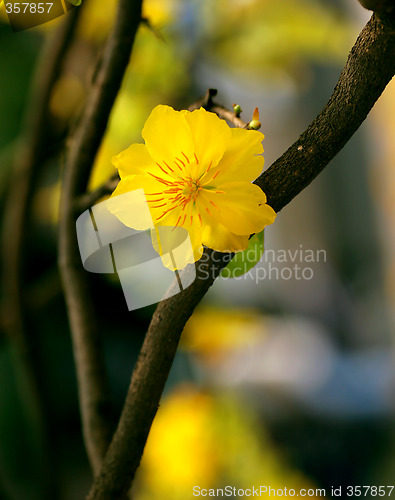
(369, 68)
(32, 151)
(91, 373)
(379, 6)
(33, 148)
(148, 381)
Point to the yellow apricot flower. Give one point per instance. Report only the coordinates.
(196, 173)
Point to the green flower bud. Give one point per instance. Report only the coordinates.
(237, 109)
(255, 124)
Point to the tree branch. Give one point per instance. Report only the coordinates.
(228, 115)
(148, 381)
(378, 6)
(32, 150)
(91, 373)
(369, 68)
(33, 146)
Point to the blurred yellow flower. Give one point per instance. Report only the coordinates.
(181, 447)
(196, 173)
(212, 332)
(206, 440)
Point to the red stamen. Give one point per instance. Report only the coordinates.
(163, 170)
(165, 212)
(178, 165)
(172, 190)
(160, 179)
(183, 164)
(185, 156)
(175, 197)
(168, 166)
(214, 205)
(178, 220)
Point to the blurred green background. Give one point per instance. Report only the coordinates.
(284, 382)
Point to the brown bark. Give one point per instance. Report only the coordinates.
(91, 372)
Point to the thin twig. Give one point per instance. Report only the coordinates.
(206, 101)
(91, 373)
(228, 115)
(87, 200)
(369, 68)
(33, 147)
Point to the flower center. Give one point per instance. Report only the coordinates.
(191, 189)
(181, 188)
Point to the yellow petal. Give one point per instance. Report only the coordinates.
(167, 136)
(130, 207)
(195, 235)
(174, 246)
(240, 207)
(127, 210)
(133, 161)
(240, 160)
(192, 223)
(218, 237)
(194, 227)
(210, 134)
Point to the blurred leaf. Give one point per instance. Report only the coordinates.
(242, 262)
